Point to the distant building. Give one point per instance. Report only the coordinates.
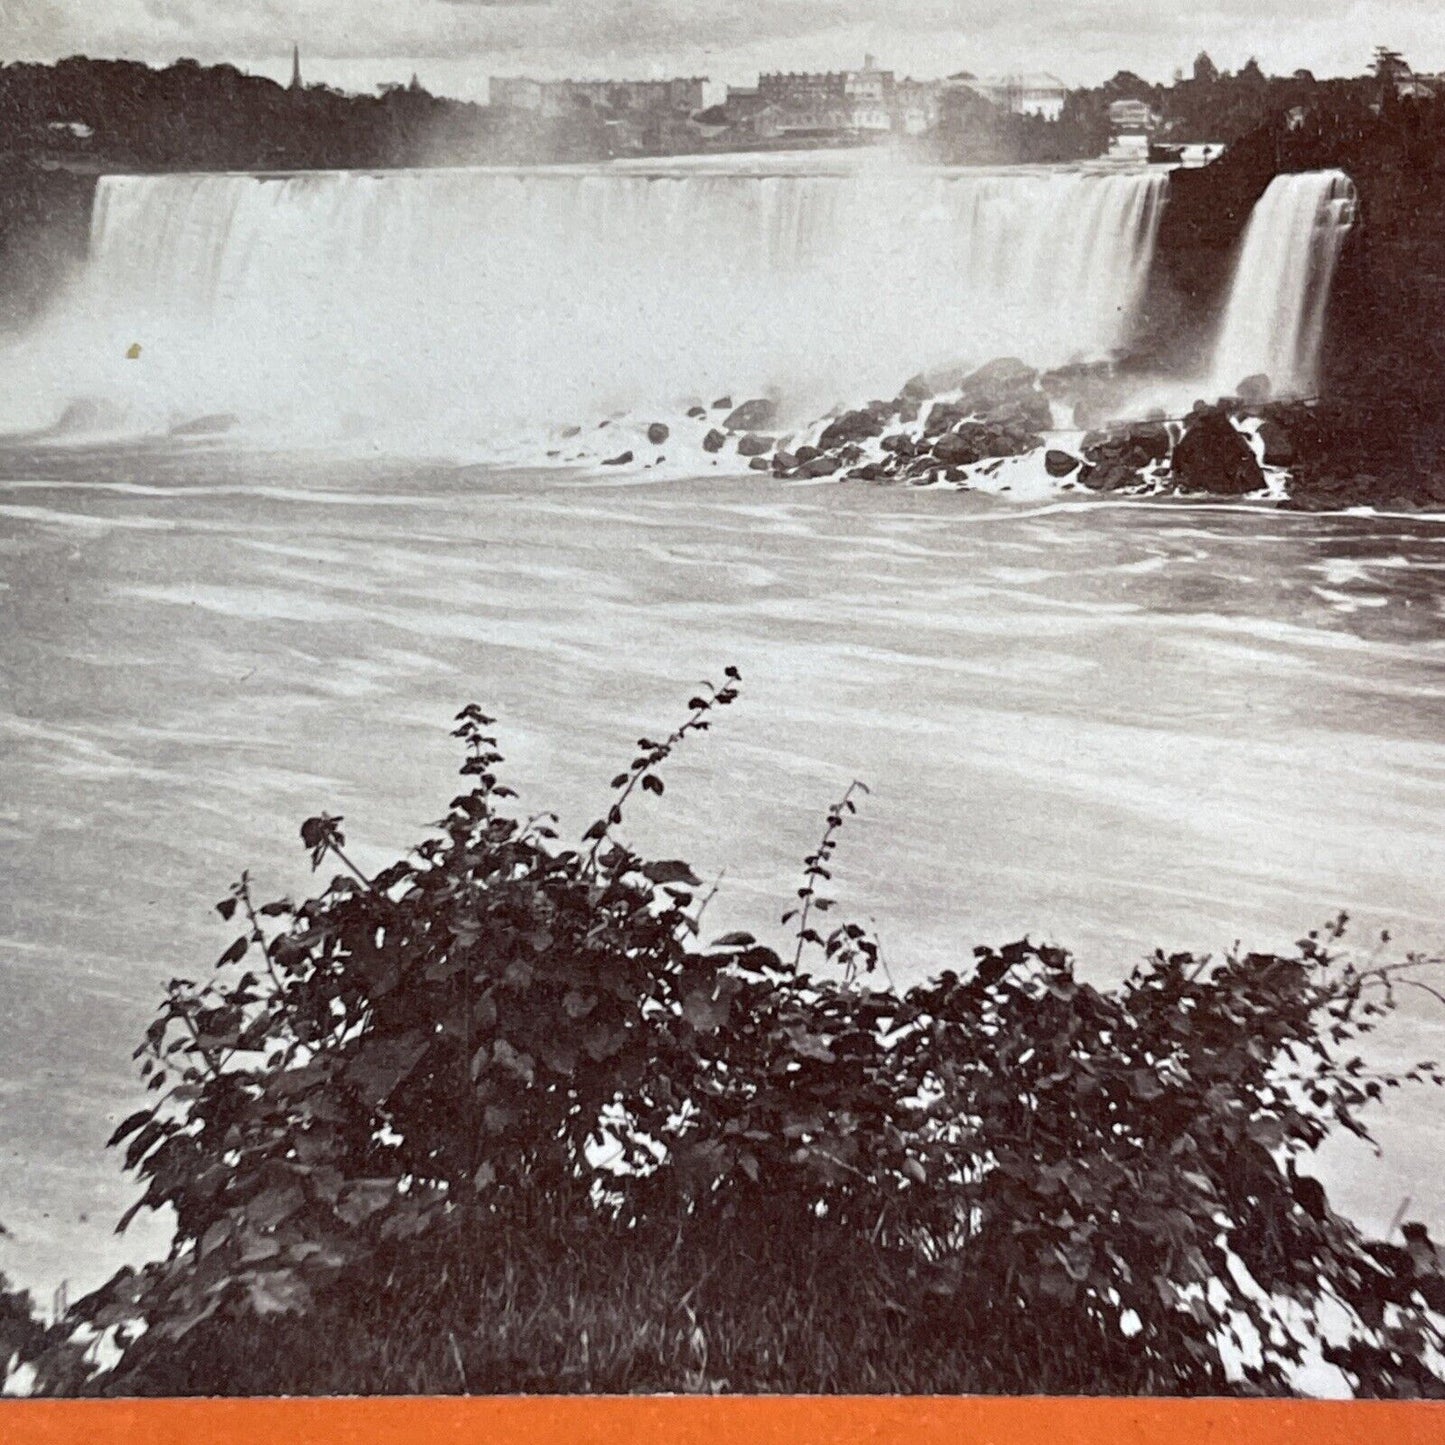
(1132, 117)
(1037, 94)
(680, 95)
(868, 101)
(916, 105)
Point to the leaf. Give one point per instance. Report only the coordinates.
(652, 784)
(226, 908)
(360, 1200)
(128, 1126)
(577, 1005)
(280, 1293)
(273, 1206)
(518, 1064)
(736, 940)
(705, 1010)
(234, 953)
(383, 1063)
(321, 831)
(671, 870)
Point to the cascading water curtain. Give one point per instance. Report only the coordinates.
(1274, 319)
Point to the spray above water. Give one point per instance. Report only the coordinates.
(455, 307)
(1274, 319)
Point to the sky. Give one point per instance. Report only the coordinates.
(453, 45)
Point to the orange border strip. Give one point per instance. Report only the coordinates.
(745, 1421)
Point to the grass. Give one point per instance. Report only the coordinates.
(721, 1306)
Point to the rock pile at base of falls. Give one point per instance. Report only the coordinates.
(958, 426)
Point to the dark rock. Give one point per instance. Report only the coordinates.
(916, 388)
(908, 410)
(1029, 409)
(1110, 476)
(1059, 464)
(899, 442)
(752, 415)
(723, 403)
(820, 466)
(957, 449)
(999, 377)
(697, 411)
(972, 441)
(760, 464)
(1133, 444)
(786, 460)
(658, 433)
(620, 460)
(855, 426)
(1213, 457)
(1254, 389)
(1279, 450)
(942, 415)
(806, 454)
(753, 445)
(714, 441)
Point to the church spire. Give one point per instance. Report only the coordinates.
(296, 67)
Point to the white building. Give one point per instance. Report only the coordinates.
(1037, 94)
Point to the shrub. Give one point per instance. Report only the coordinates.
(497, 1119)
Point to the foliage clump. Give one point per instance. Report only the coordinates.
(497, 1118)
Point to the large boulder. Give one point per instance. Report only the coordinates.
(753, 445)
(999, 381)
(1134, 443)
(854, 426)
(1254, 389)
(1279, 449)
(1060, 464)
(658, 433)
(1109, 476)
(820, 466)
(714, 441)
(752, 415)
(1213, 457)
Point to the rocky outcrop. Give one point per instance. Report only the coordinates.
(752, 415)
(1213, 456)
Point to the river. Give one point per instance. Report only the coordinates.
(1114, 726)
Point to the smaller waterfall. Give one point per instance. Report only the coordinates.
(1276, 311)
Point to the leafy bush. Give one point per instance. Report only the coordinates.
(498, 1119)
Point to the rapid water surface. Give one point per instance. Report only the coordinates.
(1116, 727)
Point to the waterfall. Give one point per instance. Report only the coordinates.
(1275, 315)
(463, 304)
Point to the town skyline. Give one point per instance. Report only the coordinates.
(455, 45)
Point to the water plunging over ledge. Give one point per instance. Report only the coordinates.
(466, 303)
